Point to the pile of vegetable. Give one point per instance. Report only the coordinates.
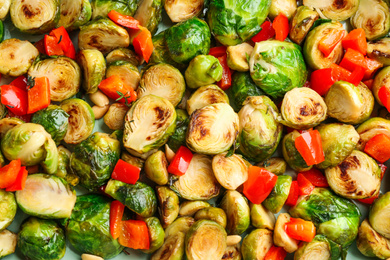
(245, 130)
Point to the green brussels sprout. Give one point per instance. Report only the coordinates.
(179, 136)
(4, 9)
(338, 141)
(169, 205)
(231, 171)
(261, 217)
(378, 215)
(156, 234)
(237, 56)
(280, 237)
(370, 128)
(189, 208)
(235, 22)
(8, 242)
(334, 9)
(319, 248)
(203, 70)
(132, 160)
(126, 70)
(199, 182)
(212, 213)
(115, 117)
(277, 67)
(349, 103)
(74, 13)
(88, 228)
(55, 121)
(156, 168)
(8, 209)
(286, 7)
(46, 196)
(372, 244)
(138, 197)
(183, 10)
(172, 249)
(93, 65)
(301, 23)
(148, 124)
(1, 31)
(162, 80)
(94, 159)
(381, 79)
(188, 39)
(313, 56)
(64, 76)
(64, 170)
(237, 211)
(31, 144)
(205, 239)
(290, 153)
(103, 7)
(379, 50)
(35, 17)
(81, 120)
(278, 196)
(149, 14)
(180, 225)
(275, 165)
(16, 57)
(256, 244)
(41, 239)
(7, 124)
(260, 133)
(102, 34)
(206, 95)
(123, 54)
(212, 129)
(376, 22)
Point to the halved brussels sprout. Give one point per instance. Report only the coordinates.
(234, 22)
(88, 228)
(41, 239)
(64, 76)
(275, 165)
(169, 205)
(179, 136)
(320, 248)
(376, 22)
(188, 39)
(262, 217)
(349, 103)
(8, 209)
(74, 13)
(232, 253)
(370, 128)
(138, 197)
(132, 160)
(8, 242)
(156, 234)
(149, 14)
(148, 124)
(180, 225)
(93, 65)
(16, 57)
(205, 239)
(237, 56)
(162, 80)
(103, 7)
(280, 236)
(286, 7)
(127, 71)
(35, 17)
(4, 8)
(290, 153)
(199, 182)
(277, 67)
(217, 215)
(372, 244)
(212, 129)
(104, 35)
(237, 211)
(64, 170)
(381, 79)
(206, 95)
(260, 133)
(203, 70)
(115, 116)
(301, 23)
(189, 208)
(256, 244)
(7, 124)
(313, 56)
(183, 10)
(231, 171)
(380, 50)
(278, 196)
(123, 54)
(172, 249)
(81, 120)
(156, 168)
(338, 141)
(338, 10)
(379, 215)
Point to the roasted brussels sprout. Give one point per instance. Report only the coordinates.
(132, 160)
(4, 8)
(169, 205)
(277, 67)
(74, 13)
(231, 172)
(149, 14)
(35, 17)
(172, 249)
(8, 209)
(256, 244)
(349, 103)
(103, 7)
(237, 56)
(115, 116)
(156, 234)
(123, 54)
(232, 253)
(41, 239)
(203, 70)
(370, 128)
(1, 31)
(188, 39)
(179, 136)
(372, 244)
(163, 80)
(334, 9)
(206, 95)
(290, 153)
(183, 10)
(280, 236)
(376, 22)
(301, 23)
(16, 57)
(63, 170)
(8, 242)
(139, 197)
(275, 165)
(180, 225)
(102, 34)
(235, 22)
(237, 211)
(88, 228)
(199, 182)
(64, 76)
(313, 56)
(380, 50)
(93, 65)
(212, 213)
(7, 124)
(319, 248)
(381, 79)
(262, 217)
(126, 70)
(189, 208)
(156, 168)
(278, 196)
(286, 7)
(378, 215)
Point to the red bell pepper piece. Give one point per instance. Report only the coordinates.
(378, 147)
(293, 194)
(281, 27)
(9, 173)
(25, 118)
(309, 145)
(125, 172)
(372, 66)
(383, 169)
(356, 40)
(259, 184)
(115, 88)
(20, 82)
(368, 83)
(180, 161)
(370, 200)
(14, 99)
(124, 20)
(353, 59)
(305, 187)
(226, 80)
(116, 214)
(218, 51)
(384, 97)
(275, 253)
(38, 95)
(134, 234)
(267, 32)
(339, 73)
(316, 177)
(142, 42)
(321, 80)
(40, 45)
(357, 75)
(300, 229)
(20, 181)
(64, 41)
(32, 169)
(330, 41)
(52, 48)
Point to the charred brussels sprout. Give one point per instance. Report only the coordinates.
(203, 70)
(156, 234)
(179, 136)
(93, 65)
(286, 7)
(94, 159)
(380, 50)
(370, 243)
(379, 216)
(301, 23)
(156, 168)
(41, 239)
(8, 209)
(233, 22)
(138, 197)
(103, 7)
(64, 170)
(5, 4)
(277, 67)
(149, 14)
(182, 10)
(278, 196)
(169, 205)
(64, 76)
(35, 17)
(280, 236)
(8, 242)
(259, 133)
(262, 217)
(74, 13)
(237, 56)
(189, 208)
(290, 153)
(188, 39)
(381, 79)
(88, 228)
(204, 96)
(319, 248)
(172, 249)
(256, 244)
(232, 253)
(237, 211)
(212, 213)
(338, 10)
(370, 128)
